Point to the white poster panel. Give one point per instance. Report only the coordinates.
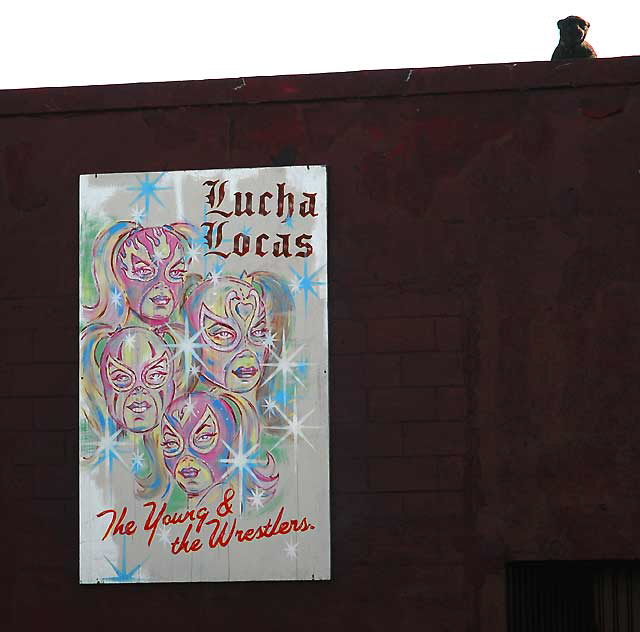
(204, 424)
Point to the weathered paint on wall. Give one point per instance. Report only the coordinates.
(483, 315)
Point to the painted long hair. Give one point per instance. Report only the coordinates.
(263, 476)
(281, 308)
(105, 251)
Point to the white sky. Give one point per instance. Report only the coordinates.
(74, 42)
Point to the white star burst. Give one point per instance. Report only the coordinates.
(157, 257)
(137, 215)
(163, 535)
(129, 341)
(285, 364)
(240, 461)
(291, 550)
(295, 286)
(256, 498)
(137, 461)
(193, 253)
(269, 340)
(186, 346)
(116, 297)
(269, 406)
(109, 449)
(188, 408)
(296, 428)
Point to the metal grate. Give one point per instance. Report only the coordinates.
(573, 597)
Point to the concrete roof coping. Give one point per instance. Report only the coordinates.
(365, 84)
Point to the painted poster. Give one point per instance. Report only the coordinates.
(204, 437)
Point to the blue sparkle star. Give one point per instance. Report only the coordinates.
(147, 190)
(122, 575)
(306, 283)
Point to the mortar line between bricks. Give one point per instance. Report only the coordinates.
(366, 493)
(403, 457)
(442, 385)
(356, 424)
(424, 490)
(40, 297)
(443, 455)
(389, 422)
(395, 494)
(400, 316)
(41, 363)
(418, 317)
(432, 563)
(39, 431)
(396, 353)
(34, 398)
(435, 491)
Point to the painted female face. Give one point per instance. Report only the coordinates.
(137, 378)
(232, 319)
(150, 266)
(194, 432)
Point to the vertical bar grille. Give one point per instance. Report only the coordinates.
(573, 597)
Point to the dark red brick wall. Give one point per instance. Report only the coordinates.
(485, 330)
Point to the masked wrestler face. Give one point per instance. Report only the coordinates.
(151, 267)
(233, 320)
(194, 432)
(137, 378)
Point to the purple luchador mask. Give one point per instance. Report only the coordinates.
(137, 378)
(196, 431)
(231, 317)
(150, 266)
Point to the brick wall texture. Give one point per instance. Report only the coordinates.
(484, 331)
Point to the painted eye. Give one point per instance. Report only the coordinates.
(206, 440)
(170, 445)
(156, 377)
(177, 273)
(121, 380)
(221, 335)
(143, 272)
(259, 333)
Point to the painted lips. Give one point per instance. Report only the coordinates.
(139, 407)
(160, 300)
(245, 372)
(189, 472)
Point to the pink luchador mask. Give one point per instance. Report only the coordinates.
(150, 266)
(137, 378)
(194, 433)
(231, 317)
